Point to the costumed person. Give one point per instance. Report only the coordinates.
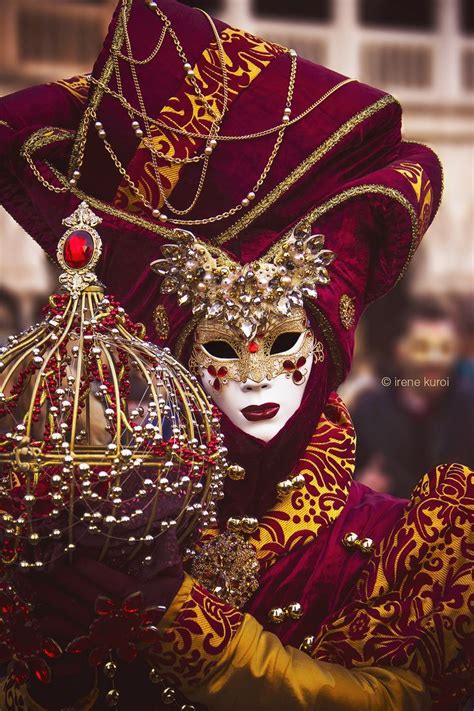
(274, 199)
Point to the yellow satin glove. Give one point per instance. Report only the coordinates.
(258, 672)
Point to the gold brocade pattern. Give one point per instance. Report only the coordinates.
(78, 86)
(327, 466)
(423, 190)
(415, 599)
(245, 57)
(191, 646)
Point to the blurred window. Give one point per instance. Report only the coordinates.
(406, 14)
(207, 5)
(466, 18)
(298, 10)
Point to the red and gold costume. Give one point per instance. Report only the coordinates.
(364, 601)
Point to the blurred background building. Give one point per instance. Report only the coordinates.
(422, 51)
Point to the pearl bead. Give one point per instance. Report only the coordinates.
(76, 174)
(187, 66)
(156, 212)
(245, 202)
(135, 125)
(73, 182)
(293, 53)
(139, 133)
(285, 119)
(287, 111)
(208, 150)
(190, 72)
(163, 217)
(98, 125)
(251, 195)
(213, 143)
(102, 133)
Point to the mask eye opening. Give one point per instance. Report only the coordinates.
(285, 342)
(219, 349)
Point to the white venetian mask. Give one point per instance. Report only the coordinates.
(258, 384)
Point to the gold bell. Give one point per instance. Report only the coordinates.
(298, 481)
(307, 644)
(284, 487)
(277, 615)
(295, 610)
(350, 540)
(234, 524)
(248, 524)
(366, 546)
(236, 472)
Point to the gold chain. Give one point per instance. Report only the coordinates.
(222, 137)
(211, 139)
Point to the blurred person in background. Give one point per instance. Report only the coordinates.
(421, 413)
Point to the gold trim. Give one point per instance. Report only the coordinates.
(183, 337)
(356, 191)
(302, 168)
(335, 352)
(44, 137)
(441, 167)
(96, 96)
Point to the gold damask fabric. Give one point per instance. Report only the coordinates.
(415, 600)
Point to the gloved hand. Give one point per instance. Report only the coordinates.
(65, 598)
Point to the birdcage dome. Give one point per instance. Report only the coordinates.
(106, 441)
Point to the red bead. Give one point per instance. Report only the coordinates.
(216, 384)
(222, 372)
(297, 376)
(253, 347)
(78, 249)
(288, 365)
(212, 371)
(300, 362)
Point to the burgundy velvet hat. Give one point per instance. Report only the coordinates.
(341, 165)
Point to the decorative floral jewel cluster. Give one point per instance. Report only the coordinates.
(246, 296)
(23, 648)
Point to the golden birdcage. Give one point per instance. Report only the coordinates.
(106, 441)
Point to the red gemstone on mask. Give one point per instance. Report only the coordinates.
(253, 347)
(222, 372)
(288, 365)
(297, 376)
(216, 384)
(300, 362)
(78, 249)
(212, 371)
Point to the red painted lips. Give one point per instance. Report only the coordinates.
(253, 413)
